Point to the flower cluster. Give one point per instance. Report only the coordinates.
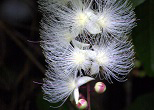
(83, 39)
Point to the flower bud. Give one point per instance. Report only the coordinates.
(82, 104)
(100, 87)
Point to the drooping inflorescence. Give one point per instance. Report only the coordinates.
(82, 39)
(57, 87)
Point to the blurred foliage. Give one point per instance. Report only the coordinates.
(136, 2)
(41, 103)
(143, 35)
(144, 102)
(45, 105)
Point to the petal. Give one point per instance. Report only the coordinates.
(91, 54)
(76, 95)
(93, 28)
(94, 68)
(79, 44)
(83, 80)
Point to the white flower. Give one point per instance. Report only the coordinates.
(67, 59)
(116, 18)
(81, 37)
(63, 38)
(77, 17)
(49, 34)
(56, 35)
(114, 59)
(58, 88)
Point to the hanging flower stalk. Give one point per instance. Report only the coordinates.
(82, 39)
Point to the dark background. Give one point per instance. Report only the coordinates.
(22, 62)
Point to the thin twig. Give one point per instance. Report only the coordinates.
(24, 71)
(23, 48)
(88, 96)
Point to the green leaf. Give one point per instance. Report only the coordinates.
(144, 102)
(137, 2)
(143, 36)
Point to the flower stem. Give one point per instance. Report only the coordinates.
(88, 96)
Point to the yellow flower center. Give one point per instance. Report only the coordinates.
(101, 58)
(81, 19)
(79, 57)
(103, 21)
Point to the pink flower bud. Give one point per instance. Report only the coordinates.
(82, 104)
(100, 87)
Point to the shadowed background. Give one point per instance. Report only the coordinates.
(22, 63)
